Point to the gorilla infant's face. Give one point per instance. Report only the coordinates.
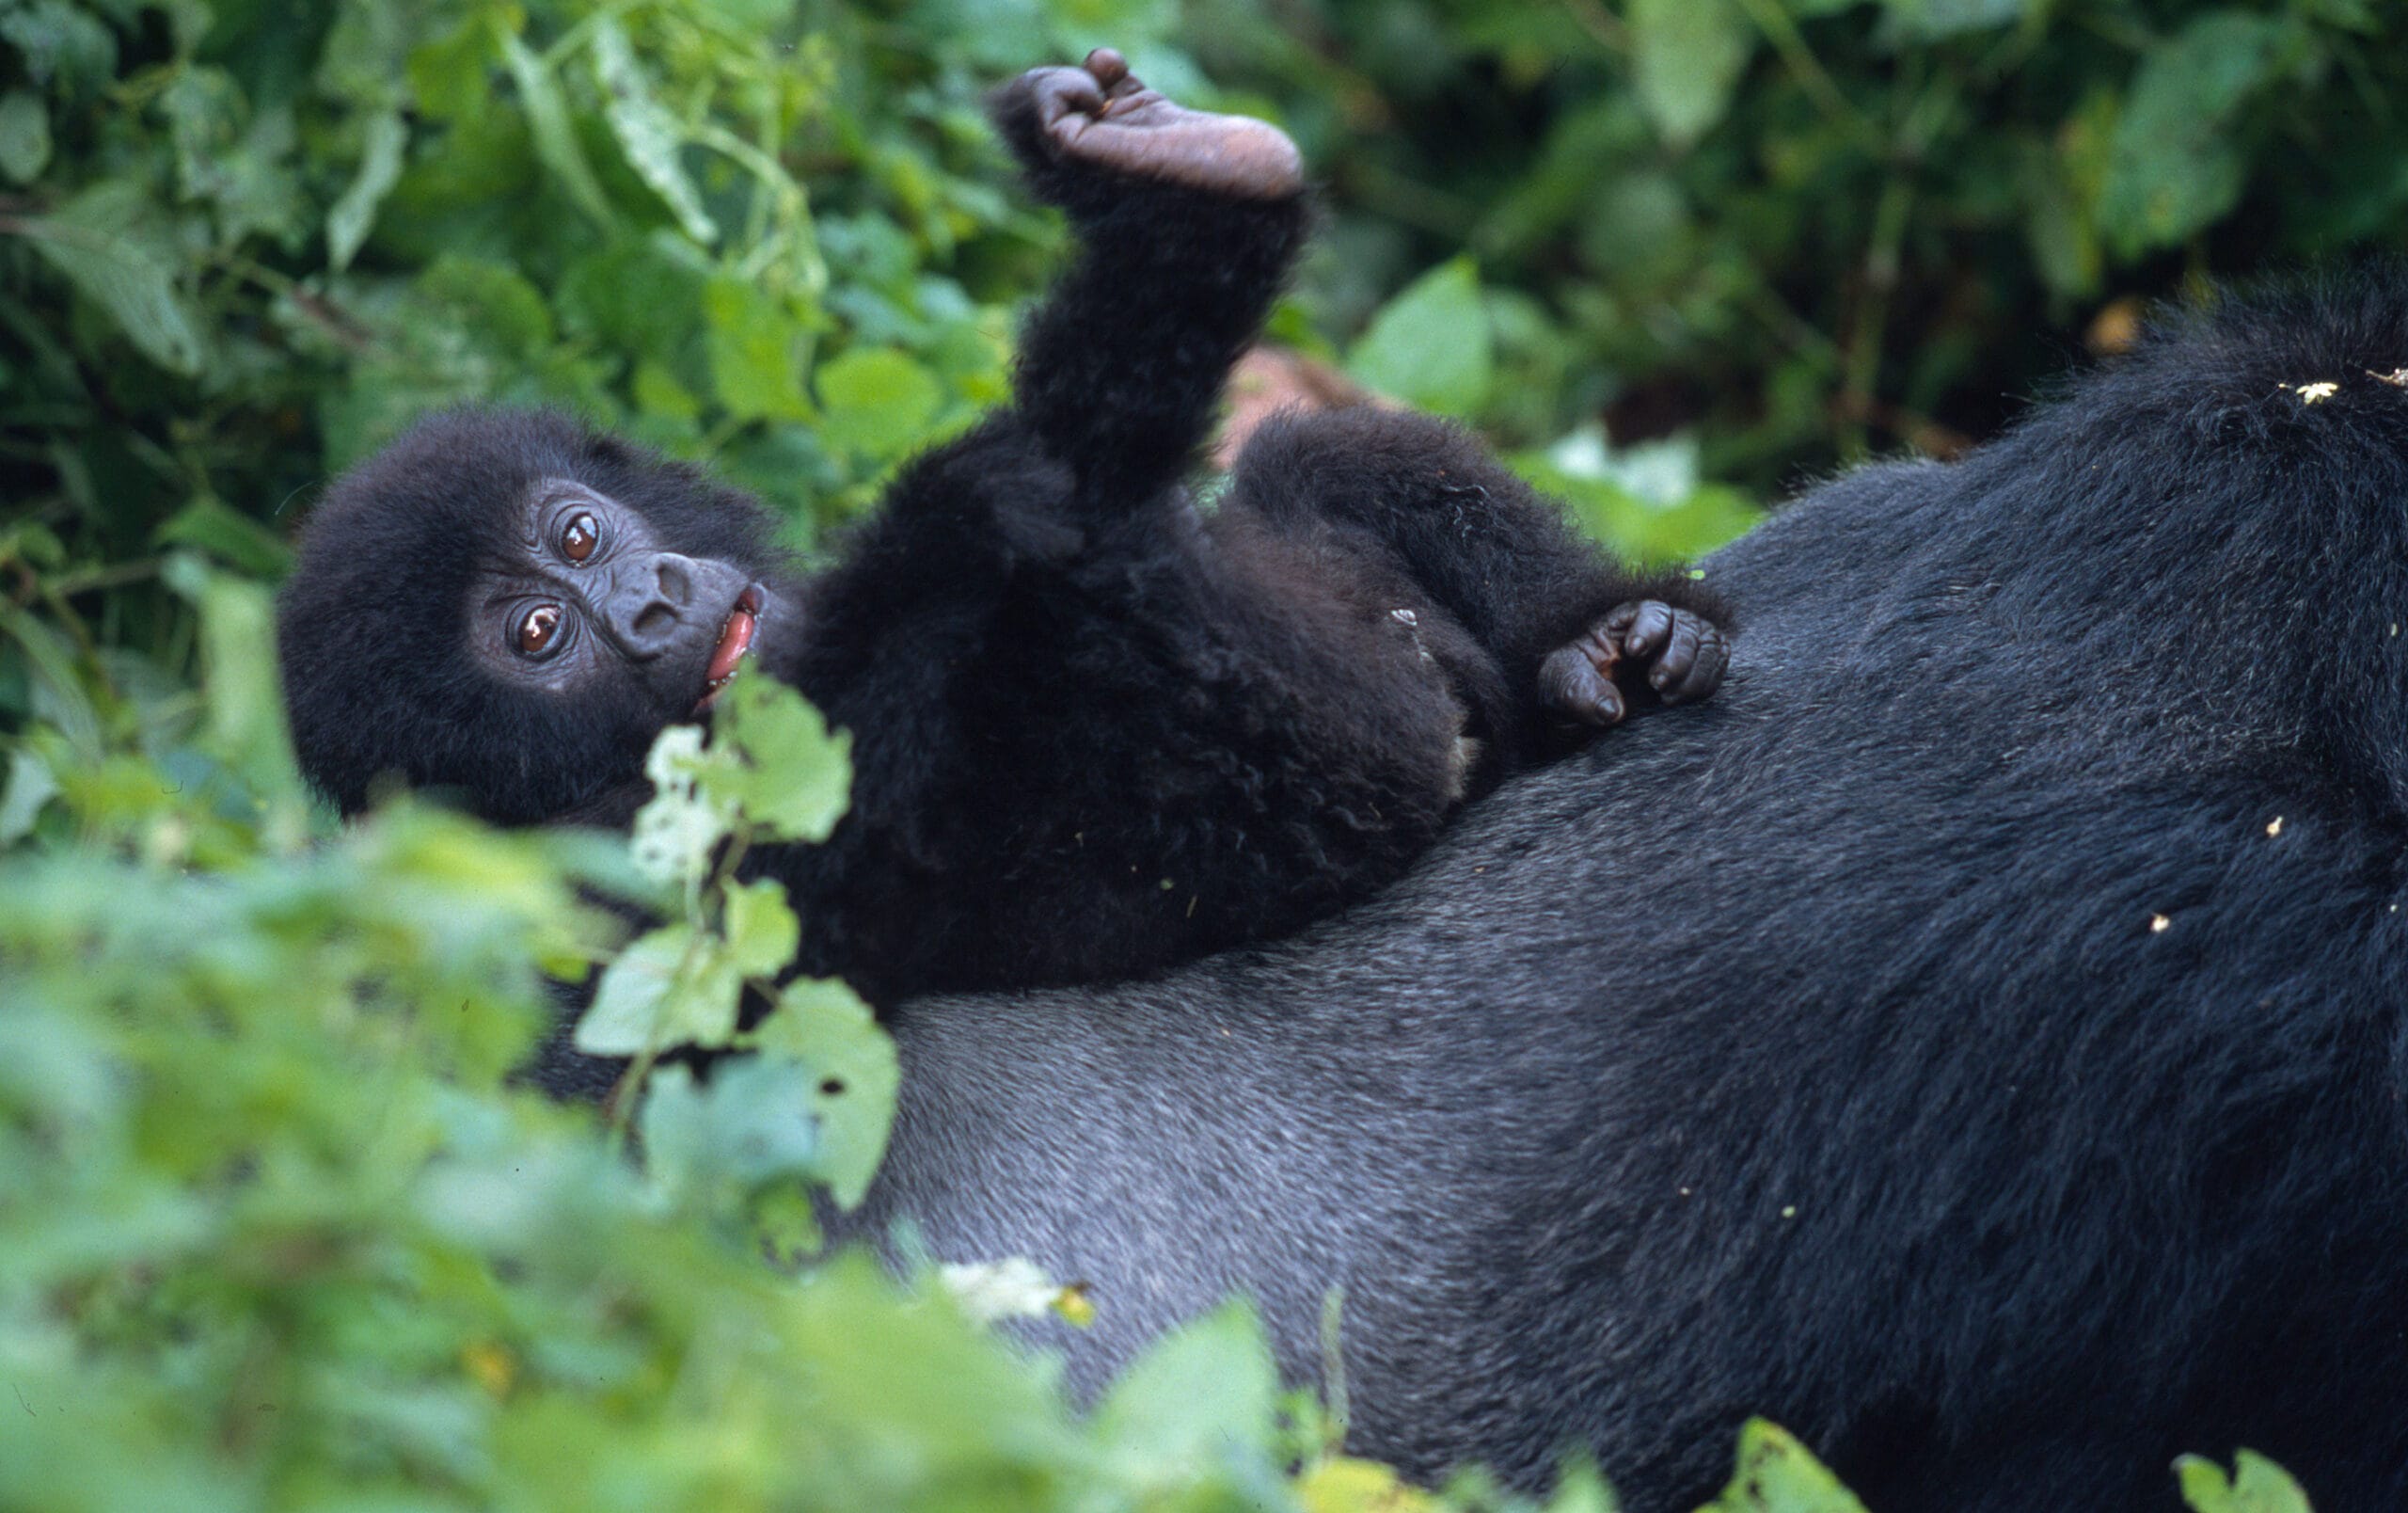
(588, 595)
(509, 606)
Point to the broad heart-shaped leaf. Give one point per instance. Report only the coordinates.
(1777, 1475)
(380, 168)
(648, 134)
(108, 245)
(2172, 168)
(1430, 346)
(2257, 1486)
(1197, 1402)
(761, 930)
(876, 401)
(670, 988)
(851, 1076)
(1686, 56)
(750, 1126)
(790, 776)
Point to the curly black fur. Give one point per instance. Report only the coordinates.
(1096, 731)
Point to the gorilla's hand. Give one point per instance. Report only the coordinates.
(1681, 655)
(1098, 115)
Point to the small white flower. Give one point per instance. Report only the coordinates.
(675, 833)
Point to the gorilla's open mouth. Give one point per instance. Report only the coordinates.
(734, 639)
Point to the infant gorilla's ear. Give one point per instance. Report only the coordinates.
(507, 606)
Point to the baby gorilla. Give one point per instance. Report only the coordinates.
(1096, 730)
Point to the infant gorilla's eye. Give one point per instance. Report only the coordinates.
(578, 539)
(537, 630)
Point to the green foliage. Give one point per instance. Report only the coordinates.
(1777, 1475)
(2255, 1485)
(1430, 346)
(277, 1229)
(1797, 229)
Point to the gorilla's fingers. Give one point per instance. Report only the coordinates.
(1108, 67)
(1713, 657)
(1680, 651)
(1651, 622)
(1569, 683)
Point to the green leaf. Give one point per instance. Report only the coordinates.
(109, 244)
(657, 391)
(851, 1076)
(791, 778)
(246, 726)
(648, 135)
(1686, 56)
(449, 77)
(876, 401)
(1644, 502)
(380, 167)
(671, 987)
(2259, 1485)
(1777, 1475)
(228, 535)
(1582, 1490)
(503, 311)
(1199, 1401)
(748, 1127)
(547, 120)
(1431, 346)
(761, 930)
(2174, 165)
(28, 791)
(25, 135)
(756, 351)
(2058, 225)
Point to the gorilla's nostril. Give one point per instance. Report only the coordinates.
(655, 619)
(676, 584)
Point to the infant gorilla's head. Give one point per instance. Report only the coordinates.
(510, 605)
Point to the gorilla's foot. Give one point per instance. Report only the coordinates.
(1681, 656)
(1101, 115)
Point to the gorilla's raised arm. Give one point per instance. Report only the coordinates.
(1187, 224)
(1096, 731)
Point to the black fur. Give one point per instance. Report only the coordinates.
(1096, 731)
(1819, 1055)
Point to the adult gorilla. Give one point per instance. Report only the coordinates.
(1976, 1042)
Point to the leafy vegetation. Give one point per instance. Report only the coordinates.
(275, 1228)
(1801, 229)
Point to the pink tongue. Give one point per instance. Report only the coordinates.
(732, 645)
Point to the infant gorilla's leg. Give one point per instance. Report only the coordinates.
(1573, 634)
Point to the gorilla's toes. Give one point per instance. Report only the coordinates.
(1101, 115)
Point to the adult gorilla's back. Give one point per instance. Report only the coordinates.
(1976, 1043)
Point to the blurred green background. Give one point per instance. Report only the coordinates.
(275, 1229)
(1649, 244)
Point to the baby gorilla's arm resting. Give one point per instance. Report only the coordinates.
(1187, 224)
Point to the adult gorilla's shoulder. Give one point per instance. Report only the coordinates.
(1976, 1042)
